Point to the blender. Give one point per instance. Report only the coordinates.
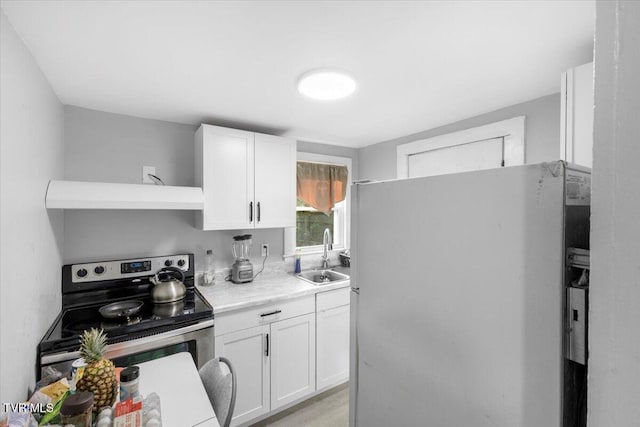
(242, 269)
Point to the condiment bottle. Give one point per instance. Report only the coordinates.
(77, 370)
(76, 409)
(129, 383)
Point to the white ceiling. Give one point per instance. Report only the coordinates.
(418, 64)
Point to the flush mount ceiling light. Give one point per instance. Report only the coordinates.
(326, 84)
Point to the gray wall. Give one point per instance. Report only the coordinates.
(614, 295)
(542, 136)
(113, 148)
(31, 244)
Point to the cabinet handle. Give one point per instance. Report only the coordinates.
(250, 212)
(258, 211)
(266, 351)
(271, 313)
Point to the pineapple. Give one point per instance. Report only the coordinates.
(99, 375)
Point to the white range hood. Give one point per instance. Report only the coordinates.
(102, 195)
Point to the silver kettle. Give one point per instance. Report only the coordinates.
(168, 285)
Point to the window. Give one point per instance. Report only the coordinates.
(311, 221)
(484, 147)
(310, 224)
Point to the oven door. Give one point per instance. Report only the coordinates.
(197, 339)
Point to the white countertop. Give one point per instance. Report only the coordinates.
(183, 399)
(266, 288)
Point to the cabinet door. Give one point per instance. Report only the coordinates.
(332, 346)
(577, 106)
(225, 170)
(247, 352)
(293, 357)
(275, 181)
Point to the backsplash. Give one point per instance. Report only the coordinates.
(311, 261)
(308, 262)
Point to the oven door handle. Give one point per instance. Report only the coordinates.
(114, 350)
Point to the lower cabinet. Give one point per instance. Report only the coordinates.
(274, 362)
(333, 346)
(283, 352)
(293, 359)
(332, 338)
(246, 350)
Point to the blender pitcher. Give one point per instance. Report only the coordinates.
(241, 270)
(241, 246)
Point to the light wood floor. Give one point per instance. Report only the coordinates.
(329, 409)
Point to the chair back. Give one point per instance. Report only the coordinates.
(219, 380)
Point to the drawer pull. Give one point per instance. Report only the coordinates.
(271, 313)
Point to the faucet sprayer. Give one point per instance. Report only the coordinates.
(327, 246)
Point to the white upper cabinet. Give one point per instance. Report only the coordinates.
(275, 181)
(248, 179)
(576, 121)
(224, 168)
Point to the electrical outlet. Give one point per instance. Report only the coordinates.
(265, 249)
(146, 170)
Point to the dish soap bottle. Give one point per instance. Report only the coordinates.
(210, 272)
(297, 268)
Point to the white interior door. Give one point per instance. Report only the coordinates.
(275, 181)
(469, 149)
(476, 155)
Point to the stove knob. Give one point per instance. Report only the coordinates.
(168, 263)
(180, 262)
(82, 273)
(99, 269)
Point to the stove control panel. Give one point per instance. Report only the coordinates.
(122, 269)
(135, 266)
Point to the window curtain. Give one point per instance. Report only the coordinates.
(321, 185)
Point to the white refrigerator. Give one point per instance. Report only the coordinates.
(457, 297)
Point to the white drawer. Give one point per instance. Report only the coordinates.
(263, 314)
(331, 299)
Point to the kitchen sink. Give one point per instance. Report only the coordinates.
(322, 277)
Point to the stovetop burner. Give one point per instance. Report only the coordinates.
(73, 321)
(83, 298)
(127, 321)
(77, 319)
(79, 327)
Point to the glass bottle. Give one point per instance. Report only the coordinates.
(76, 409)
(209, 272)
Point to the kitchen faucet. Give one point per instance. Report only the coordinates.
(327, 246)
